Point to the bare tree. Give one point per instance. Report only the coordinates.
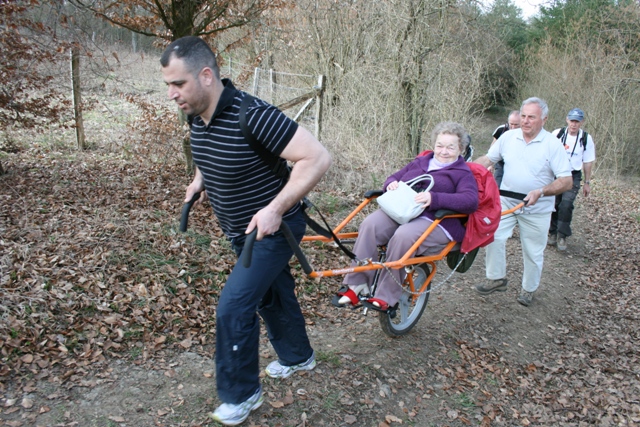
(170, 20)
(27, 99)
(27, 47)
(600, 76)
(393, 72)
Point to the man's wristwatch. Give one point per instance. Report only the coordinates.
(587, 182)
(541, 193)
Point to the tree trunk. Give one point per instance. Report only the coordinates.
(188, 156)
(186, 145)
(413, 117)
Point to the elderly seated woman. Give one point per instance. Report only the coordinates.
(454, 188)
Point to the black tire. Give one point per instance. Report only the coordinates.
(409, 309)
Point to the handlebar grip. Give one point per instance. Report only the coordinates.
(284, 228)
(247, 250)
(184, 216)
(373, 193)
(441, 213)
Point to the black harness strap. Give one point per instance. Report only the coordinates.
(512, 194)
(281, 169)
(562, 136)
(326, 232)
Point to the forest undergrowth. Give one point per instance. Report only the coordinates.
(96, 280)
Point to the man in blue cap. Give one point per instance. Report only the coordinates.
(581, 151)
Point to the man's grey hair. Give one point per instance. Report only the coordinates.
(452, 128)
(541, 103)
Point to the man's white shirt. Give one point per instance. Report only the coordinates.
(530, 166)
(575, 151)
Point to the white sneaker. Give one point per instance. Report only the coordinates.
(276, 370)
(232, 415)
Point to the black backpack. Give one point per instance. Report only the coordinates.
(500, 130)
(562, 136)
(278, 165)
(281, 169)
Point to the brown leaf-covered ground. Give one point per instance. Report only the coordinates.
(107, 316)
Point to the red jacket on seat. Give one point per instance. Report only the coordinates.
(483, 223)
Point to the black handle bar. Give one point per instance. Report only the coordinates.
(284, 228)
(250, 240)
(184, 216)
(247, 250)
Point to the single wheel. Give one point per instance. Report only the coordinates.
(410, 306)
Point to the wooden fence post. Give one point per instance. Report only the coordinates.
(256, 76)
(319, 106)
(271, 86)
(77, 99)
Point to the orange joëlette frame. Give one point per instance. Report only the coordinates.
(404, 261)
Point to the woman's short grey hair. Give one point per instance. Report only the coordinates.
(452, 128)
(540, 102)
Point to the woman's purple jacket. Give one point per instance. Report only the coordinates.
(454, 188)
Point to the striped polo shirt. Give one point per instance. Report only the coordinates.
(238, 182)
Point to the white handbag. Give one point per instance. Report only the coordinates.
(399, 204)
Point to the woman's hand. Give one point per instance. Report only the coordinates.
(424, 198)
(392, 186)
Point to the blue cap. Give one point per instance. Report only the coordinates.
(576, 114)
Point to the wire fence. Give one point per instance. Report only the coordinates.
(123, 93)
(276, 87)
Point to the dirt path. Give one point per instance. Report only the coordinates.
(363, 377)
(115, 321)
